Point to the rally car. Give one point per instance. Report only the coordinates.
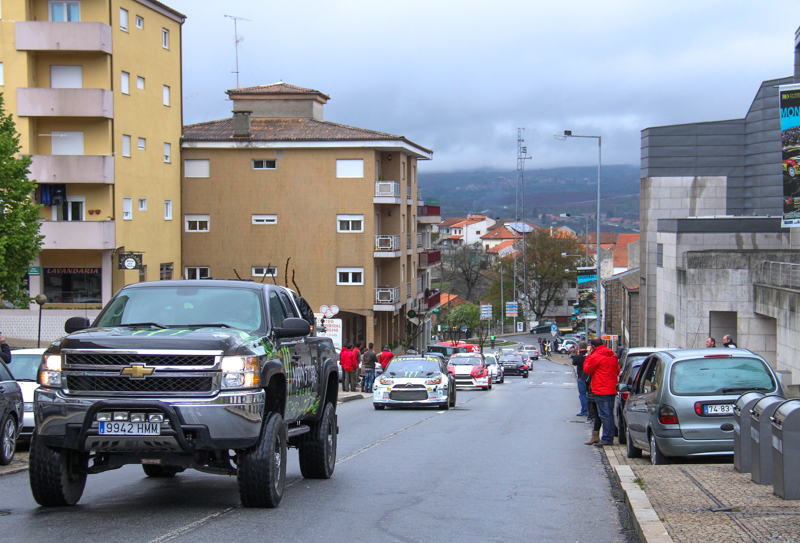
(470, 370)
(414, 380)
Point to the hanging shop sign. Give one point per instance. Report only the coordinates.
(129, 261)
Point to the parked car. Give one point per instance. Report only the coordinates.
(495, 369)
(414, 380)
(513, 364)
(630, 363)
(681, 403)
(532, 351)
(24, 367)
(566, 344)
(470, 370)
(11, 413)
(542, 328)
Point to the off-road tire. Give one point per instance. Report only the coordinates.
(318, 448)
(261, 470)
(490, 384)
(632, 451)
(52, 473)
(445, 406)
(161, 472)
(8, 439)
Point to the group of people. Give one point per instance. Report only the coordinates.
(548, 347)
(357, 364)
(727, 341)
(598, 370)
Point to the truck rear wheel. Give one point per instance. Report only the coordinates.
(261, 469)
(318, 449)
(153, 470)
(55, 475)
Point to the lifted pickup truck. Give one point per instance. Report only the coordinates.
(218, 376)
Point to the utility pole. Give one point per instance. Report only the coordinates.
(502, 303)
(237, 41)
(520, 251)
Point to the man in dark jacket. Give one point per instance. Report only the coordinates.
(577, 361)
(5, 351)
(603, 365)
(370, 359)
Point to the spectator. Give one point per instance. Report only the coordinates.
(711, 342)
(5, 351)
(360, 368)
(350, 368)
(727, 341)
(385, 356)
(577, 361)
(603, 365)
(370, 359)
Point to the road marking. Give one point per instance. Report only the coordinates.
(191, 526)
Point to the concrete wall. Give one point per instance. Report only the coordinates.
(780, 304)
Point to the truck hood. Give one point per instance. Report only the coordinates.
(203, 339)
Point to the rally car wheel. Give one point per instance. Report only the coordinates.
(525, 375)
(318, 449)
(261, 470)
(452, 398)
(378, 407)
(490, 385)
(56, 476)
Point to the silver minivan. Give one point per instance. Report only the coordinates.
(681, 403)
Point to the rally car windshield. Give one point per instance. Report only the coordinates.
(510, 359)
(465, 360)
(412, 367)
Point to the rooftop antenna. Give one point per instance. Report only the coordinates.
(238, 40)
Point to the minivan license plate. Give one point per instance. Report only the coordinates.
(130, 428)
(719, 409)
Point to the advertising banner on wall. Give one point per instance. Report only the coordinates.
(789, 103)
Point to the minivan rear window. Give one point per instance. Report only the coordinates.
(729, 375)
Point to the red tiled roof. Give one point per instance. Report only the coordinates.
(625, 239)
(605, 237)
(500, 246)
(283, 130)
(500, 233)
(455, 237)
(276, 88)
(621, 256)
(450, 222)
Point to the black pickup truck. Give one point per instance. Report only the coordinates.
(218, 376)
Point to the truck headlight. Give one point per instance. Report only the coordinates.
(240, 372)
(50, 374)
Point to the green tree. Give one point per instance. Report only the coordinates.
(465, 315)
(465, 268)
(20, 241)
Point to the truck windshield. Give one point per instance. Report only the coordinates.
(185, 306)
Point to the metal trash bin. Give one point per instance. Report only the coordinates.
(786, 450)
(742, 450)
(761, 436)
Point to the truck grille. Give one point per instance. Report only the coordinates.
(81, 383)
(103, 359)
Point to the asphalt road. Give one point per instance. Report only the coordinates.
(505, 465)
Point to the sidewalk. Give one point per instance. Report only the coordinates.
(19, 463)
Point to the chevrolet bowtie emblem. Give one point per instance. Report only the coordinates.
(137, 371)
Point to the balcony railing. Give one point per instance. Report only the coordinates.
(780, 274)
(430, 302)
(387, 295)
(408, 290)
(98, 235)
(387, 189)
(428, 211)
(44, 102)
(420, 284)
(72, 169)
(408, 191)
(419, 194)
(50, 36)
(429, 258)
(408, 241)
(387, 244)
(420, 240)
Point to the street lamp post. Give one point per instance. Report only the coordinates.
(569, 134)
(585, 231)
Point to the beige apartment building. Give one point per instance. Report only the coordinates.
(95, 89)
(275, 182)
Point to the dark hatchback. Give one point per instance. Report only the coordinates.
(513, 365)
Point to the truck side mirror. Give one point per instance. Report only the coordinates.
(293, 327)
(75, 324)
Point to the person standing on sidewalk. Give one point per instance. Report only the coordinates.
(385, 356)
(370, 359)
(5, 351)
(577, 360)
(603, 365)
(350, 368)
(360, 373)
(727, 341)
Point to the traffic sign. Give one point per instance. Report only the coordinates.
(554, 330)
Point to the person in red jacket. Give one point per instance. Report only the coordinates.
(350, 368)
(384, 357)
(603, 365)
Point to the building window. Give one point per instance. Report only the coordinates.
(403, 223)
(127, 209)
(669, 321)
(353, 169)
(349, 276)
(265, 164)
(165, 272)
(142, 144)
(167, 210)
(126, 83)
(142, 204)
(349, 223)
(126, 145)
(403, 178)
(65, 12)
(140, 82)
(2, 76)
(659, 255)
(265, 219)
(261, 271)
(165, 38)
(123, 19)
(197, 223)
(197, 272)
(167, 152)
(139, 21)
(66, 143)
(72, 285)
(196, 168)
(69, 208)
(66, 77)
(165, 92)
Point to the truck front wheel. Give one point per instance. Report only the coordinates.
(318, 449)
(261, 469)
(55, 475)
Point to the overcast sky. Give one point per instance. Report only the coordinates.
(459, 77)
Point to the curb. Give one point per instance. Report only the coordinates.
(648, 525)
(357, 396)
(11, 471)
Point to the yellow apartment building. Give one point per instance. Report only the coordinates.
(276, 182)
(95, 89)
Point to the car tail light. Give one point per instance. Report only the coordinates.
(478, 371)
(524, 366)
(625, 396)
(698, 408)
(667, 415)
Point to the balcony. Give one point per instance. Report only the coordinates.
(387, 247)
(420, 287)
(47, 36)
(408, 290)
(43, 102)
(420, 240)
(98, 235)
(72, 169)
(429, 258)
(387, 299)
(387, 192)
(429, 214)
(428, 303)
(408, 241)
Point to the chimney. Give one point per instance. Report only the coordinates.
(241, 124)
